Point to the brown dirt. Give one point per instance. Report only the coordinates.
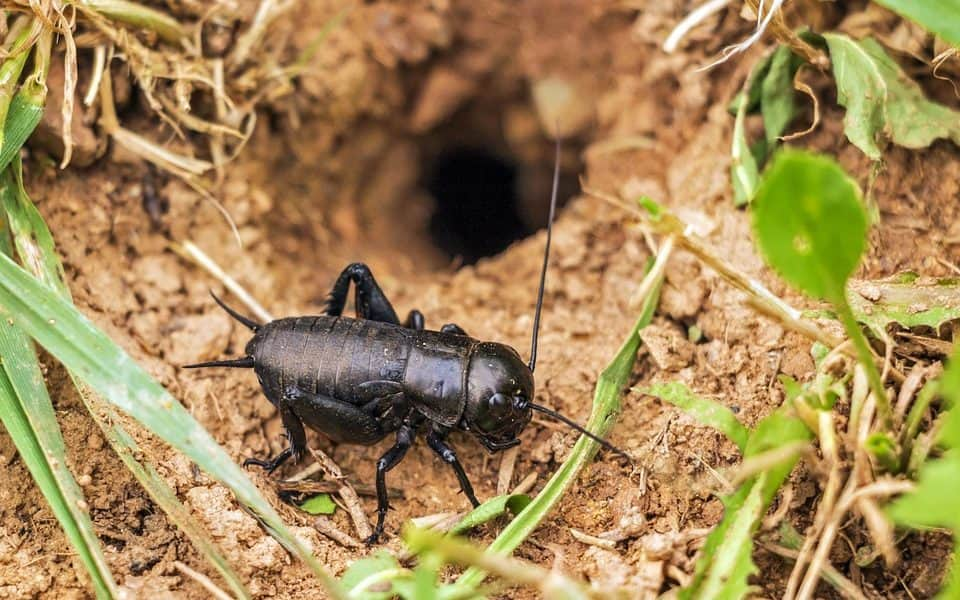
(333, 176)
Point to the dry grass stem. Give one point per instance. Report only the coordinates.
(346, 492)
(508, 461)
(192, 252)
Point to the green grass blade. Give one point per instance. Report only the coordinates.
(31, 236)
(140, 17)
(27, 414)
(101, 364)
(12, 67)
(606, 405)
(53, 483)
(35, 247)
(708, 412)
(725, 561)
(22, 118)
(744, 172)
(491, 509)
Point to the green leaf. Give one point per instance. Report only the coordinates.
(35, 247)
(708, 412)
(29, 418)
(725, 561)
(933, 502)
(732, 562)
(23, 116)
(141, 18)
(490, 510)
(810, 223)
(917, 303)
(941, 17)
(883, 104)
(778, 98)
(321, 504)
(606, 407)
(365, 572)
(744, 172)
(884, 449)
(101, 364)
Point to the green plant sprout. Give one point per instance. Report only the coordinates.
(725, 561)
(933, 502)
(811, 227)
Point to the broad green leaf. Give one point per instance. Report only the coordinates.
(101, 364)
(778, 103)
(743, 166)
(810, 223)
(321, 504)
(491, 509)
(941, 17)
(606, 407)
(35, 247)
(909, 302)
(708, 412)
(883, 104)
(769, 89)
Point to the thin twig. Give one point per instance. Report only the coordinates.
(310, 486)
(508, 462)
(346, 493)
(526, 484)
(190, 251)
(325, 526)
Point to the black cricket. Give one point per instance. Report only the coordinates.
(358, 380)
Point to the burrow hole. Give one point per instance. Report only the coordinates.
(486, 194)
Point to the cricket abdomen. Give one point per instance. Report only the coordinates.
(330, 356)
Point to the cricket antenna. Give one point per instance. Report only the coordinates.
(546, 258)
(555, 415)
(246, 362)
(247, 321)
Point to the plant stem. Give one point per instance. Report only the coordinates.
(911, 427)
(866, 359)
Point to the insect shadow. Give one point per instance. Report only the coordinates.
(357, 380)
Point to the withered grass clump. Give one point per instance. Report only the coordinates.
(202, 72)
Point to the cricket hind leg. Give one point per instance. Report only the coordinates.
(371, 302)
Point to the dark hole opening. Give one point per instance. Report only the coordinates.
(477, 203)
